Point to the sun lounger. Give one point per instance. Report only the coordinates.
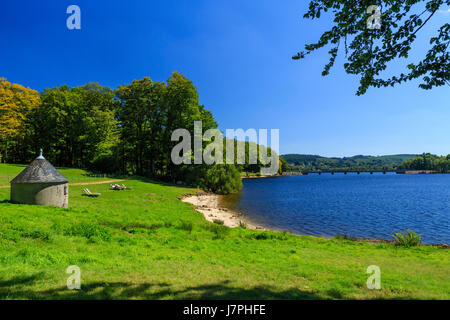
(88, 193)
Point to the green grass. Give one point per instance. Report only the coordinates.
(146, 244)
(10, 171)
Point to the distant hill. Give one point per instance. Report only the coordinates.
(299, 162)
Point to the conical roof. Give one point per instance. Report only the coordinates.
(40, 171)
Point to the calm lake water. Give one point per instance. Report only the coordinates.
(362, 206)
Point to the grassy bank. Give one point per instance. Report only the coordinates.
(145, 243)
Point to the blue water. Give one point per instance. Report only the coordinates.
(362, 206)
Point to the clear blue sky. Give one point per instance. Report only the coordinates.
(238, 54)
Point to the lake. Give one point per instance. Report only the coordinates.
(362, 206)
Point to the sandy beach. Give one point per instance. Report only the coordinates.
(208, 204)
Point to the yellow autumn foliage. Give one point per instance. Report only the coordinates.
(16, 103)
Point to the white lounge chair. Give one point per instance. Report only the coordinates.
(88, 193)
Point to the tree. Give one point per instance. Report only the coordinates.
(101, 133)
(16, 106)
(371, 49)
(284, 166)
(128, 129)
(140, 114)
(428, 161)
(183, 109)
(149, 112)
(76, 126)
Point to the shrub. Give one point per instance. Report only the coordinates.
(408, 238)
(222, 179)
(218, 221)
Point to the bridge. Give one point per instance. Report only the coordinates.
(319, 172)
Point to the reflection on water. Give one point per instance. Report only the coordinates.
(363, 206)
(231, 200)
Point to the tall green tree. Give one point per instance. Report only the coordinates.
(183, 109)
(76, 126)
(141, 115)
(101, 135)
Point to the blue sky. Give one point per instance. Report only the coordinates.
(238, 54)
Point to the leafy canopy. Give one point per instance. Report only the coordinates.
(368, 51)
(428, 161)
(16, 102)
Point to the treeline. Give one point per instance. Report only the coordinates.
(428, 161)
(125, 130)
(302, 162)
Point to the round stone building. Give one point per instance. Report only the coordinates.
(41, 184)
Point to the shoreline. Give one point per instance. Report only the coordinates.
(261, 177)
(208, 205)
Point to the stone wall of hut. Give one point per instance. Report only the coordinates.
(45, 194)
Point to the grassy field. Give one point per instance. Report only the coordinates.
(144, 243)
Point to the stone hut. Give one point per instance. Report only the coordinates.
(41, 184)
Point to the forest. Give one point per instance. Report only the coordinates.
(428, 161)
(302, 162)
(125, 130)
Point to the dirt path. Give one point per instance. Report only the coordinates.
(95, 182)
(84, 183)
